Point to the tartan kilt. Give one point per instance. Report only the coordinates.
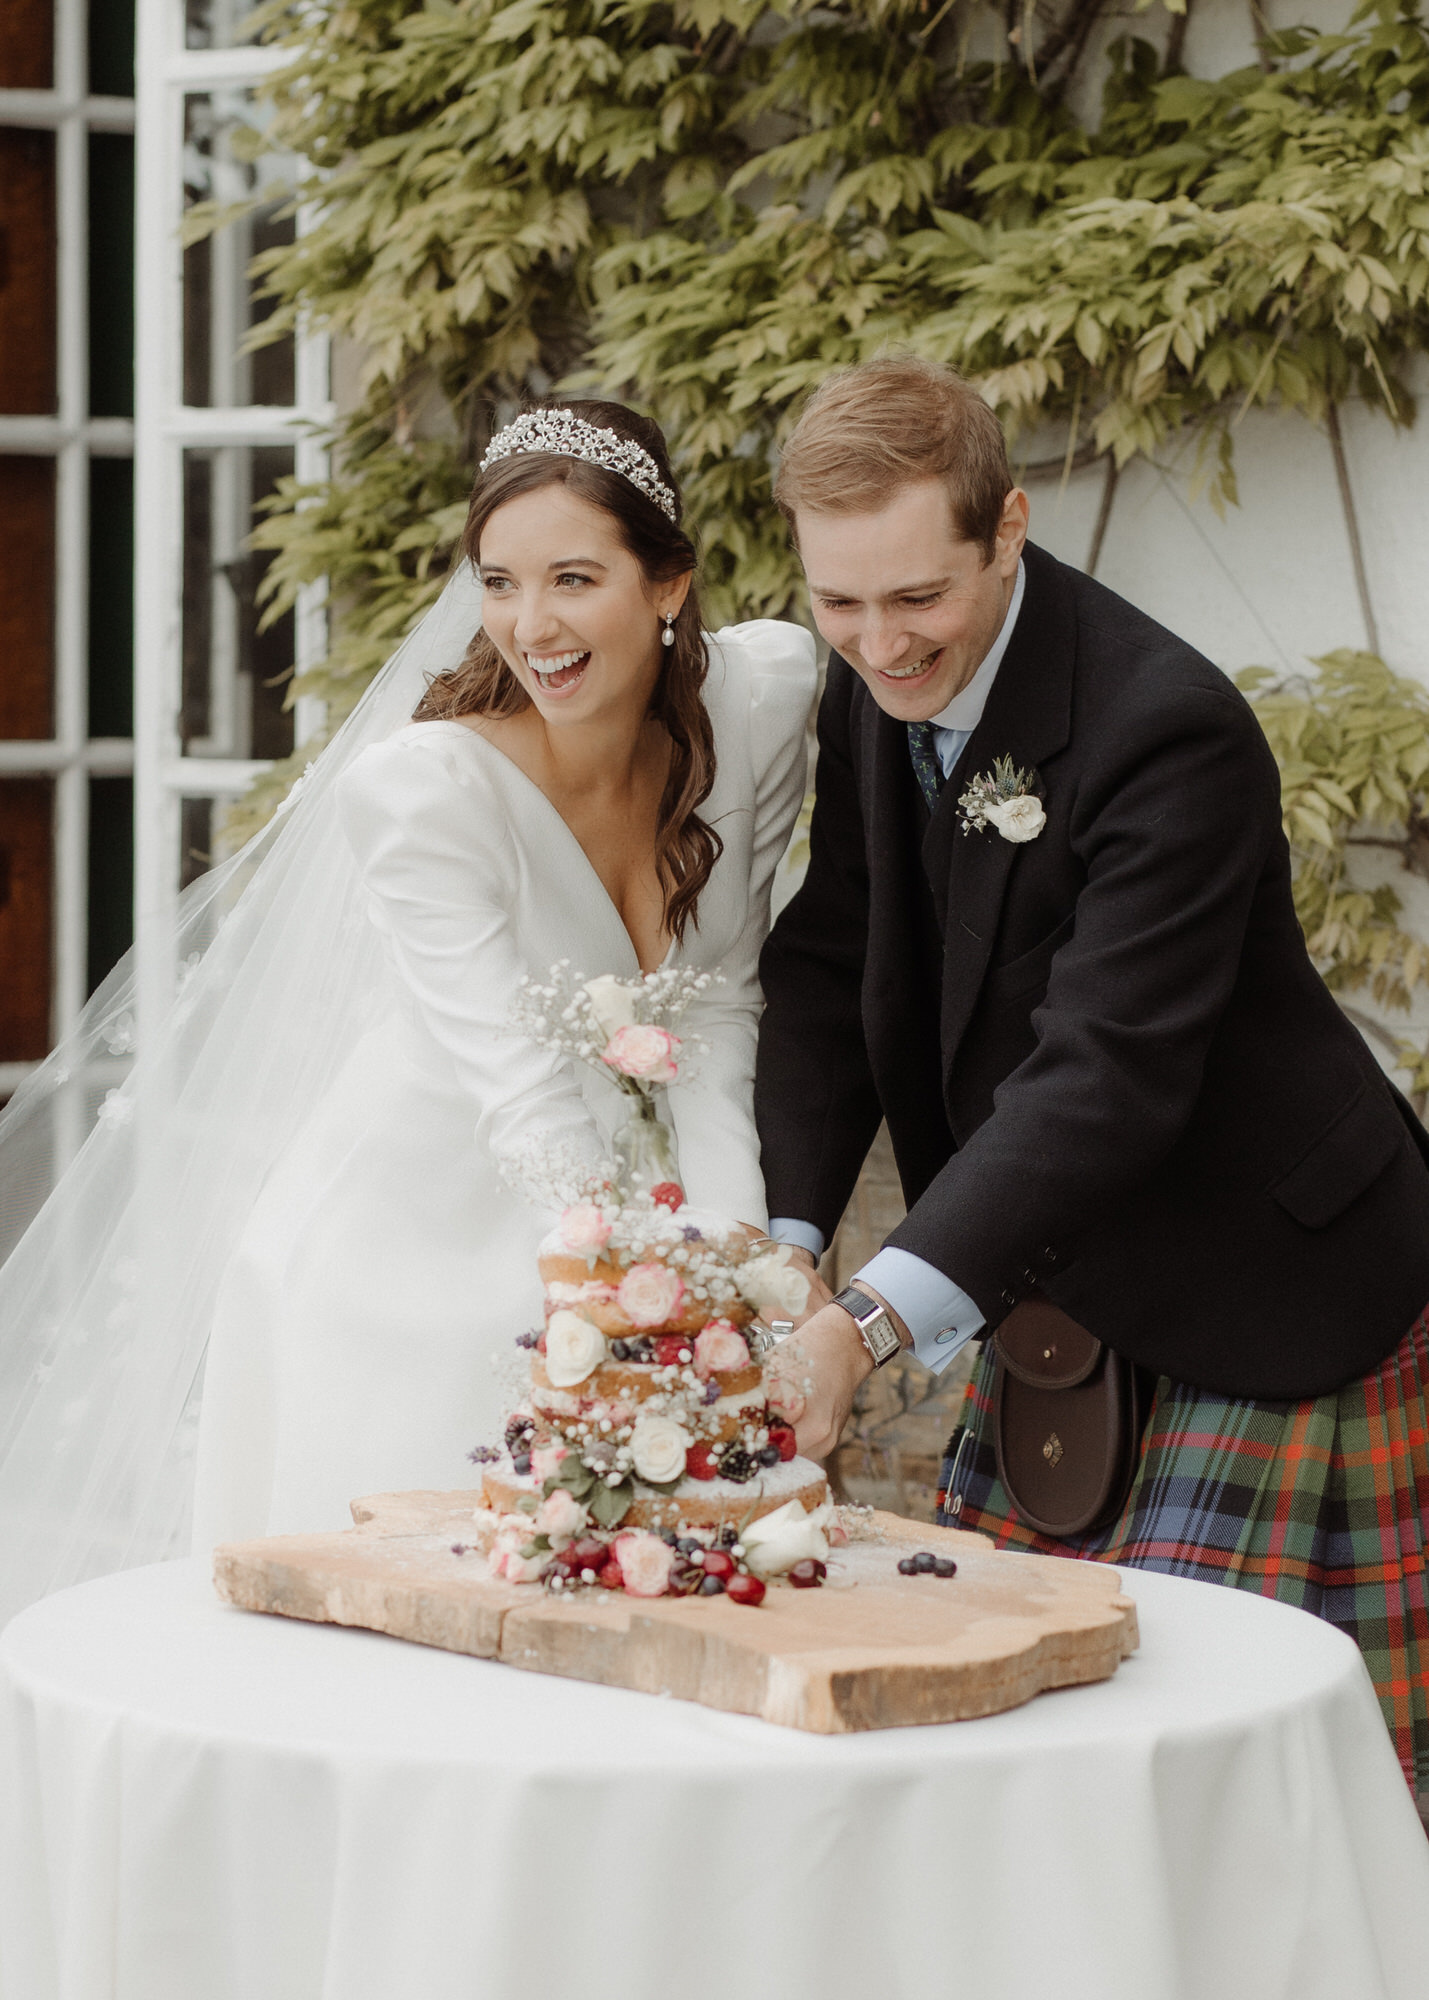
(1323, 1504)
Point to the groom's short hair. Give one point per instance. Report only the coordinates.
(869, 430)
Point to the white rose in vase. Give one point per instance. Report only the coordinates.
(574, 1348)
(658, 1447)
(612, 1002)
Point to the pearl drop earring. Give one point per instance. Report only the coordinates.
(667, 637)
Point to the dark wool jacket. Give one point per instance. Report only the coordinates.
(1108, 1066)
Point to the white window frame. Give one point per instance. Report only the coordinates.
(165, 428)
(70, 438)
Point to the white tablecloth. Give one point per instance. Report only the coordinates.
(201, 1804)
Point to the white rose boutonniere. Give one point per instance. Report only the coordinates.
(1005, 798)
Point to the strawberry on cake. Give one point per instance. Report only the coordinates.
(649, 1444)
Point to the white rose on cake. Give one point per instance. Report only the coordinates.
(773, 1284)
(658, 1448)
(574, 1348)
(775, 1542)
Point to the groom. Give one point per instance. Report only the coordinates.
(1047, 934)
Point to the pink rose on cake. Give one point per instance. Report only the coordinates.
(506, 1558)
(560, 1516)
(647, 1054)
(574, 1348)
(650, 1294)
(545, 1459)
(658, 1448)
(518, 1568)
(645, 1563)
(584, 1228)
(719, 1349)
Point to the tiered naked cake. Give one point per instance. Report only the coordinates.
(649, 1443)
(649, 1487)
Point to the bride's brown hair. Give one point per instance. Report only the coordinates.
(686, 850)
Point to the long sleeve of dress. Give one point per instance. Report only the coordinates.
(761, 707)
(435, 854)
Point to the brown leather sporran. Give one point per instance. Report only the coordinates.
(1068, 1418)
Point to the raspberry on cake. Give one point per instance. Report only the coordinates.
(648, 1413)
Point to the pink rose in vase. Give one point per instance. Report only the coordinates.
(646, 1054)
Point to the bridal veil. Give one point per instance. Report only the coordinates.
(115, 1234)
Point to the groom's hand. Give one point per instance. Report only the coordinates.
(825, 1362)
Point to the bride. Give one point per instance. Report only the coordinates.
(310, 1159)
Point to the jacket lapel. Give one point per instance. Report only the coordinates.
(1027, 718)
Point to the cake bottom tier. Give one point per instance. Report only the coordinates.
(695, 1503)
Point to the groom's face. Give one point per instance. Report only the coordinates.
(911, 606)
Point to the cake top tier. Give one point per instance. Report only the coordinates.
(714, 1264)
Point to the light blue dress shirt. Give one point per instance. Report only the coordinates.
(939, 1314)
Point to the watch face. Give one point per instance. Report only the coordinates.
(881, 1339)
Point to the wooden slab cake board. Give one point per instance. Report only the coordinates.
(879, 1652)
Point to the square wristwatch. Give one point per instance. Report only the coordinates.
(876, 1330)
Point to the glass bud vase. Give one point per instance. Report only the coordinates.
(645, 1150)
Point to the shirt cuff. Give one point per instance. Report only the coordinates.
(802, 1235)
(939, 1314)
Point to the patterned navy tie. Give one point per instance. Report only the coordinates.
(926, 762)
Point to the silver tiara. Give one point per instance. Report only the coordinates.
(570, 436)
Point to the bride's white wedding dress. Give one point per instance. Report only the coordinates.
(386, 1265)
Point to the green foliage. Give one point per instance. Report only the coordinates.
(705, 206)
(1353, 751)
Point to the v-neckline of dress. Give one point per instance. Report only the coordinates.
(530, 783)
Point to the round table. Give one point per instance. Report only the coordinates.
(198, 1803)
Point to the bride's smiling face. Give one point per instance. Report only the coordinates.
(569, 608)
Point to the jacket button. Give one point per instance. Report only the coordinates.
(1029, 1277)
(1050, 1256)
(1009, 1297)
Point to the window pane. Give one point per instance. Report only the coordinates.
(27, 597)
(111, 47)
(111, 597)
(27, 272)
(27, 45)
(111, 274)
(196, 854)
(220, 307)
(26, 916)
(111, 874)
(234, 676)
(216, 24)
